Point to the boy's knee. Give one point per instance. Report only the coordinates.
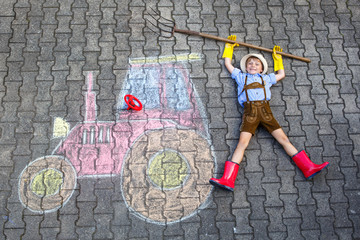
(244, 140)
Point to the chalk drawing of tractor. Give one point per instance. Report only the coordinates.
(161, 153)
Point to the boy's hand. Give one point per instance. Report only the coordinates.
(229, 48)
(278, 62)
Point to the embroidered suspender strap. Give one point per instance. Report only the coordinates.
(253, 86)
(245, 88)
(263, 86)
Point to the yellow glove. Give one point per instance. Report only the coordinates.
(278, 62)
(229, 48)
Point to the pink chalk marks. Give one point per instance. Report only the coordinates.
(162, 152)
(89, 146)
(90, 100)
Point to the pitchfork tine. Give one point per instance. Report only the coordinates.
(161, 17)
(163, 27)
(157, 33)
(160, 30)
(159, 23)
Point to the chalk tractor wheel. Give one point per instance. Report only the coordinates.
(166, 173)
(47, 183)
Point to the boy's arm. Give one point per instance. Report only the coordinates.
(228, 53)
(280, 75)
(228, 65)
(278, 64)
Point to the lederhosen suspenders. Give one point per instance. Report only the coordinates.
(253, 86)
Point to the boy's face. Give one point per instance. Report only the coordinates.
(254, 65)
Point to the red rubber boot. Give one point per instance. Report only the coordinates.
(308, 168)
(228, 179)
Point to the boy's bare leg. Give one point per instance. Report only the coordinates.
(242, 145)
(227, 181)
(281, 137)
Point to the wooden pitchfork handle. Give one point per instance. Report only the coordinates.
(189, 32)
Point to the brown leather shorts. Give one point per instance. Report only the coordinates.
(255, 113)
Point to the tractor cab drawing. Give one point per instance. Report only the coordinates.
(162, 153)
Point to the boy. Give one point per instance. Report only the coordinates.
(254, 95)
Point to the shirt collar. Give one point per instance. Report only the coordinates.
(254, 75)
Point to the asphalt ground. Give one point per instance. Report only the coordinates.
(77, 164)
